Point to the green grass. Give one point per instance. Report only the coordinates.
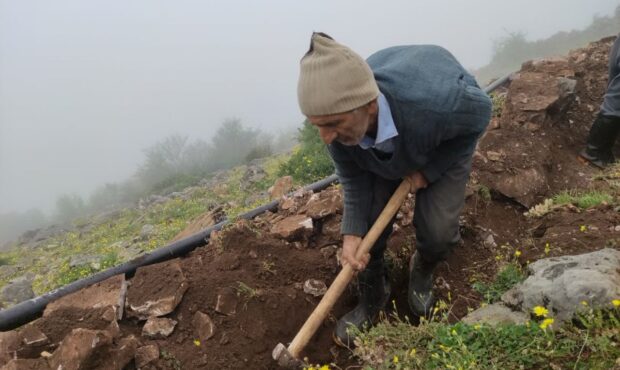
(51, 261)
(509, 276)
(583, 200)
(396, 344)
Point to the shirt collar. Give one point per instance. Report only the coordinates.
(386, 129)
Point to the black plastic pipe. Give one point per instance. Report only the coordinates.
(29, 310)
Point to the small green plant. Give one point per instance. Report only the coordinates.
(582, 200)
(244, 290)
(268, 266)
(499, 100)
(485, 193)
(510, 275)
(170, 359)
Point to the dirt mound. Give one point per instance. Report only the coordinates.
(230, 302)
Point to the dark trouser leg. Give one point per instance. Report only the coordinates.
(373, 286)
(436, 219)
(601, 139)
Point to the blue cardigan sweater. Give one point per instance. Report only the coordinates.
(439, 112)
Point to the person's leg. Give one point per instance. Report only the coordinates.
(601, 139)
(436, 219)
(373, 285)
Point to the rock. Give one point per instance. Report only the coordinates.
(202, 222)
(315, 287)
(156, 290)
(329, 251)
(118, 358)
(77, 349)
(561, 283)
(281, 187)
(495, 314)
(17, 290)
(108, 293)
(7, 271)
(146, 354)
(226, 302)
(32, 336)
(85, 260)
(494, 156)
(9, 344)
(293, 227)
(203, 326)
(489, 241)
(287, 203)
(522, 186)
(323, 204)
(158, 328)
(146, 231)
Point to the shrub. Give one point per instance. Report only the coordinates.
(310, 160)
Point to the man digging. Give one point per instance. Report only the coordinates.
(407, 111)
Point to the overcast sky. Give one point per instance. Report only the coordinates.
(85, 85)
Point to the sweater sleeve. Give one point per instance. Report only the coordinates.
(446, 154)
(357, 185)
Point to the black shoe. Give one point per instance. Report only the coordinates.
(420, 294)
(601, 139)
(374, 294)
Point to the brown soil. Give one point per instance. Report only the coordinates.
(266, 273)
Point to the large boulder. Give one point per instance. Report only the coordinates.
(156, 290)
(561, 283)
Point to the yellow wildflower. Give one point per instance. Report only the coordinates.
(324, 367)
(453, 332)
(583, 228)
(547, 248)
(412, 352)
(196, 342)
(395, 359)
(546, 323)
(540, 311)
(477, 326)
(616, 302)
(584, 303)
(517, 253)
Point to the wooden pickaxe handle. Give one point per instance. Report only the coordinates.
(346, 274)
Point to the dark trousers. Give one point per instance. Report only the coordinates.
(436, 214)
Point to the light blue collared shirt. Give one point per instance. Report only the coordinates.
(386, 129)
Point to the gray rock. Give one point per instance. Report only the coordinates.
(561, 283)
(203, 326)
(146, 231)
(146, 354)
(7, 271)
(315, 287)
(17, 290)
(85, 259)
(495, 314)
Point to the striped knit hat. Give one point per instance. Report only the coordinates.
(333, 78)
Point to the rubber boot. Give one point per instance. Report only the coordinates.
(601, 139)
(374, 294)
(420, 293)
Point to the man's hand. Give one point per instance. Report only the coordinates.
(418, 181)
(349, 248)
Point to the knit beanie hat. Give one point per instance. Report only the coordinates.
(333, 78)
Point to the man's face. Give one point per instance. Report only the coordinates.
(346, 128)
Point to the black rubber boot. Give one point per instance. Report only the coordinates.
(601, 139)
(374, 294)
(420, 294)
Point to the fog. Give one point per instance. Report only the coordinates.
(85, 86)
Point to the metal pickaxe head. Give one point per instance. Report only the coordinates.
(285, 359)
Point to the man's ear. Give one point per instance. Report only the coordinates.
(373, 107)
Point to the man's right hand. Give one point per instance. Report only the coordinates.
(349, 248)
